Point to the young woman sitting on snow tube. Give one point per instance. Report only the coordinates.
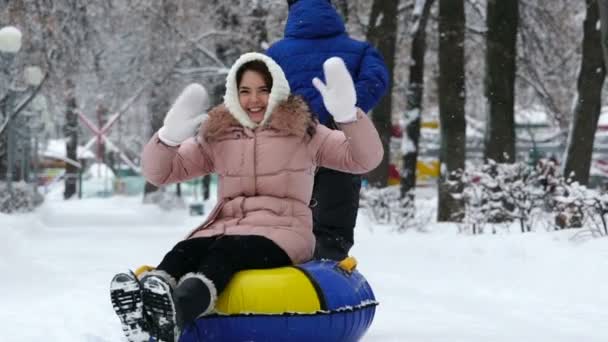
(265, 145)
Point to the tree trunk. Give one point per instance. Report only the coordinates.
(587, 108)
(382, 33)
(603, 9)
(71, 140)
(451, 108)
(102, 114)
(415, 91)
(502, 21)
(157, 108)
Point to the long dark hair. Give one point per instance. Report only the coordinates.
(257, 66)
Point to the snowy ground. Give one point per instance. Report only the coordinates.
(439, 286)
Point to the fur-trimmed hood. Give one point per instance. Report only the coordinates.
(278, 93)
(290, 117)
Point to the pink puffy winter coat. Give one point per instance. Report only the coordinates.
(265, 173)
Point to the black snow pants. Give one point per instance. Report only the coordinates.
(335, 202)
(219, 258)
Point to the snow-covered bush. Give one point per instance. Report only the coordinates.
(579, 207)
(567, 201)
(597, 207)
(499, 194)
(385, 206)
(381, 203)
(530, 195)
(22, 198)
(475, 206)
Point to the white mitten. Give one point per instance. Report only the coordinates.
(339, 95)
(185, 115)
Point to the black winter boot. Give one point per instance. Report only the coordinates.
(158, 305)
(126, 296)
(195, 296)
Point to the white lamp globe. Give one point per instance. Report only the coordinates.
(33, 75)
(10, 39)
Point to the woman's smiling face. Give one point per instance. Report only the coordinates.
(253, 95)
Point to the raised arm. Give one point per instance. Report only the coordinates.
(163, 164)
(357, 148)
(173, 154)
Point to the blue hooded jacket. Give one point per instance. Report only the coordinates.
(315, 32)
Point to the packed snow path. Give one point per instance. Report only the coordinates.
(433, 287)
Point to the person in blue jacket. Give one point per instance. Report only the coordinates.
(315, 32)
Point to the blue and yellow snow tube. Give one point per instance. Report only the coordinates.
(318, 301)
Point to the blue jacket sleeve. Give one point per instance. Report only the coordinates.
(372, 81)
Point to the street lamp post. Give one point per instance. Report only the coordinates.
(10, 141)
(10, 44)
(33, 77)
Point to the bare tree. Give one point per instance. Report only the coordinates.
(71, 143)
(382, 33)
(69, 36)
(415, 92)
(12, 91)
(451, 108)
(586, 114)
(603, 9)
(159, 92)
(501, 22)
(548, 56)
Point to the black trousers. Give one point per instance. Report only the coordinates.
(334, 207)
(219, 258)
